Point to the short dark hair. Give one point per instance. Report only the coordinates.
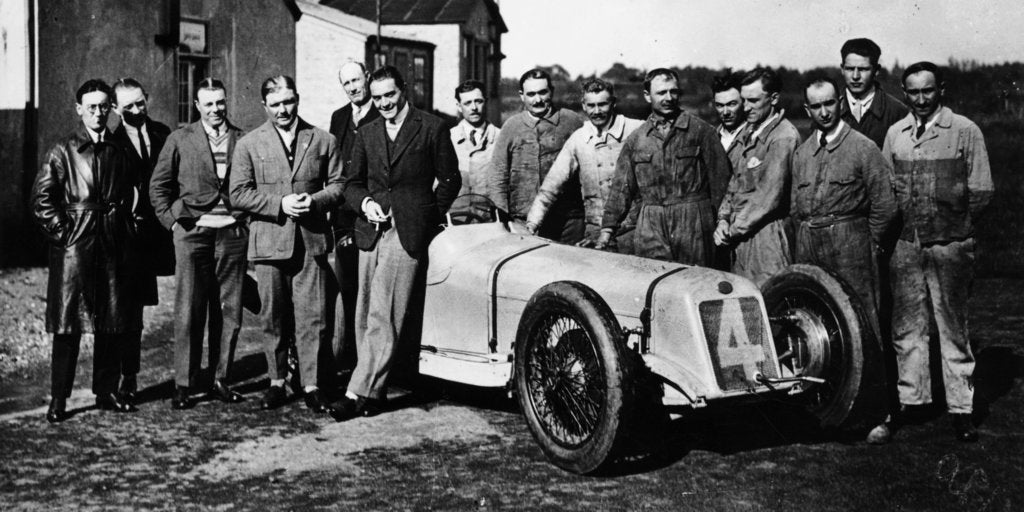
(769, 79)
(92, 85)
(725, 82)
(861, 46)
(655, 73)
(470, 85)
(814, 80)
(127, 83)
(388, 72)
(918, 67)
(596, 85)
(210, 84)
(276, 83)
(535, 74)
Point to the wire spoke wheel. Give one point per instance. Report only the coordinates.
(565, 380)
(572, 376)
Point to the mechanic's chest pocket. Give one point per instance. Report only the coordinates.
(685, 161)
(643, 167)
(844, 183)
(749, 175)
(525, 150)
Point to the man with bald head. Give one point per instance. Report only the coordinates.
(345, 124)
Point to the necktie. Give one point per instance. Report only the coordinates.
(921, 129)
(857, 110)
(472, 137)
(142, 148)
(823, 141)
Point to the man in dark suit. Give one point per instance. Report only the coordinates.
(189, 191)
(864, 105)
(287, 175)
(395, 163)
(345, 124)
(145, 138)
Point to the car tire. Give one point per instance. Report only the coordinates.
(573, 376)
(839, 344)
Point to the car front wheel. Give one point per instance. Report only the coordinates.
(573, 376)
(820, 330)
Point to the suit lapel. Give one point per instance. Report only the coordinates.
(202, 145)
(406, 134)
(303, 135)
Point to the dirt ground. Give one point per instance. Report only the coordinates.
(456, 448)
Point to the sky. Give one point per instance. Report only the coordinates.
(587, 36)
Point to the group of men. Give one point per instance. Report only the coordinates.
(879, 194)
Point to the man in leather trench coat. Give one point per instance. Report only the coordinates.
(83, 200)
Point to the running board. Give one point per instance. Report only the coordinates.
(475, 369)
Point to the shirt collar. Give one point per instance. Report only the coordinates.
(213, 132)
(830, 138)
(935, 118)
(614, 131)
(94, 136)
(724, 132)
(288, 134)
(766, 123)
(866, 100)
(400, 117)
(551, 117)
(467, 128)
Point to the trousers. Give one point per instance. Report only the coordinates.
(210, 266)
(387, 277)
(926, 281)
(294, 295)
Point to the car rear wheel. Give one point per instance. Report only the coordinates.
(573, 376)
(820, 330)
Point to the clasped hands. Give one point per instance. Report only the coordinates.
(296, 205)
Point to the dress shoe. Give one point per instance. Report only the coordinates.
(57, 411)
(126, 392)
(113, 402)
(347, 408)
(180, 400)
(963, 426)
(316, 401)
(222, 392)
(273, 398)
(881, 434)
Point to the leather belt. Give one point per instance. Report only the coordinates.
(91, 206)
(695, 197)
(825, 221)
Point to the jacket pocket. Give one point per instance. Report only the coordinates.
(643, 167)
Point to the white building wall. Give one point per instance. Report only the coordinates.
(14, 65)
(321, 47)
(447, 60)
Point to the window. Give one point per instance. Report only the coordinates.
(415, 61)
(190, 73)
(477, 64)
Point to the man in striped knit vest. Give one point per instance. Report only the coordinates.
(189, 191)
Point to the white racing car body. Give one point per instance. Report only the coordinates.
(705, 332)
(571, 329)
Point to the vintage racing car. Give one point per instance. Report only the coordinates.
(569, 330)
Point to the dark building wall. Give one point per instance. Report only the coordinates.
(15, 227)
(248, 41)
